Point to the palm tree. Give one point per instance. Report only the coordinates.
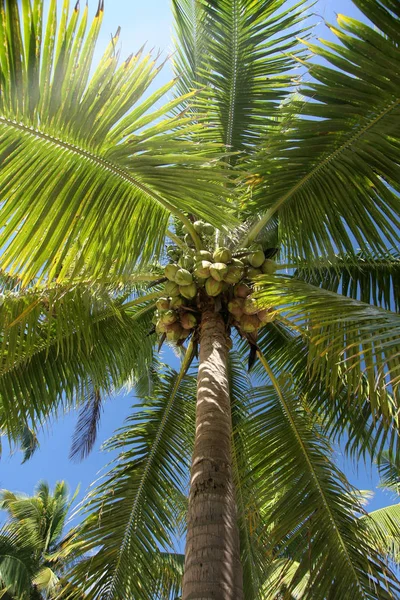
(34, 553)
(239, 168)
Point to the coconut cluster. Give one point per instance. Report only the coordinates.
(192, 276)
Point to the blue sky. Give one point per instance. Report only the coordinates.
(141, 21)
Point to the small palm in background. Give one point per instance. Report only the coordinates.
(34, 549)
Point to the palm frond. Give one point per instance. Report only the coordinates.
(240, 52)
(311, 501)
(85, 433)
(101, 346)
(332, 173)
(343, 335)
(384, 524)
(89, 177)
(389, 471)
(374, 280)
(344, 416)
(133, 511)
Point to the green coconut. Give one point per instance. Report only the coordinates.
(176, 302)
(234, 274)
(202, 269)
(250, 306)
(161, 327)
(174, 332)
(162, 304)
(171, 289)
(203, 255)
(218, 271)
(213, 287)
(241, 290)
(235, 307)
(256, 259)
(188, 320)
(249, 323)
(173, 253)
(265, 316)
(186, 262)
(188, 291)
(188, 240)
(201, 281)
(170, 271)
(183, 277)
(208, 229)
(155, 318)
(168, 317)
(253, 272)
(198, 226)
(222, 255)
(269, 266)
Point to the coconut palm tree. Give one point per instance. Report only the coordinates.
(34, 552)
(243, 174)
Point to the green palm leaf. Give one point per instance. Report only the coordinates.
(54, 353)
(311, 500)
(332, 172)
(344, 335)
(134, 510)
(385, 526)
(241, 52)
(374, 280)
(89, 178)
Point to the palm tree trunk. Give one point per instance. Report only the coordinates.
(212, 561)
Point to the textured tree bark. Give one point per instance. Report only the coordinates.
(212, 560)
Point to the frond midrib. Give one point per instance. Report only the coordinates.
(184, 368)
(99, 161)
(320, 166)
(310, 464)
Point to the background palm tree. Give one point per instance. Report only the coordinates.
(34, 550)
(93, 185)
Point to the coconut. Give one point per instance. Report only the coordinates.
(183, 277)
(198, 226)
(174, 332)
(173, 253)
(222, 255)
(155, 318)
(188, 291)
(256, 247)
(203, 255)
(241, 290)
(171, 289)
(218, 271)
(250, 306)
(161, 327)
(162, 304)
(252, 272)
(176, 302)
(208, 229)
(213, 287)
(235, 307)
(185, 334)
(188, 320)
(256, 259)
(201, 281)
(249, 323)
(170, 271)
(168, 317)
(186, 262)
(202, 269)
(265, 316)
(269, 266)
(234, 274)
